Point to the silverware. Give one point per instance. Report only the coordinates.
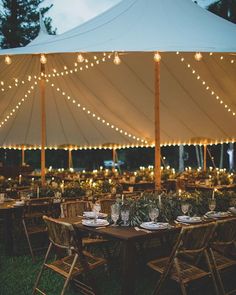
(101, 227)
(142, 229)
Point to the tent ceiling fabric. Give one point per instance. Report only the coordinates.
(104, 104)
(121, 95)
(144, 25)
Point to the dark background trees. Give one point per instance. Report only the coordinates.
(19, 21)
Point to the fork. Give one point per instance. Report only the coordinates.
(141, 229)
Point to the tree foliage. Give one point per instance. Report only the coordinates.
(20, 21)
(225, 9)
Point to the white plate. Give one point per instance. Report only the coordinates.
(214, 214)
(232, 210)
(100, 222)
(91, 214)
(188, 219)
(154, 226)
(18, 204)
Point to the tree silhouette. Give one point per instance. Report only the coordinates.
(20, 21)
(225, 9)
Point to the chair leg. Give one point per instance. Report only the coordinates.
(162, 279)
(42, 268)
(222, 290)
(182, 286)
(28, 241)
(69, 275)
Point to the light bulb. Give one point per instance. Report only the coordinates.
(117, 59)
(8, 60)
(198, 56)
(43, 59)
(80, 58)
(157, 57)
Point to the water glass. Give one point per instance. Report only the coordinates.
(185, 207)
(125, 216)
(153, 213)
(96, 210)
(212, 204)
(115, 213)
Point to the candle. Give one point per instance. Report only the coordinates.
(37, 191)
(213, 193)
(122, 199)
(62, 186)
(20, 178)
(159, 197)
(180, 191)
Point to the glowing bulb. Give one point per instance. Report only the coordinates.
(117, 59)
(43, 59)
(80, 58)
(8, 60)
(157, 57)
(198, 56)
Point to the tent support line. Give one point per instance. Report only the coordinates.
(157, 128)
(43, 123)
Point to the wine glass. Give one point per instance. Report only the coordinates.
(153, 213)
(212, 205)
(125, 216)
(115, 212)
(96, 209)
(185, 207)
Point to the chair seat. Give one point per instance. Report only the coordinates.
(223, 261)
(63, 265)
(35, 229)
(188, 272)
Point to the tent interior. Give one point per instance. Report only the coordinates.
(96, 103)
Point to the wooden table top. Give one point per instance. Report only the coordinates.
(119, 232)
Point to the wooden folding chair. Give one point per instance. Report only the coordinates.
(224, 241)
(70, 267)
(74, 208)
(192, 240)
(106, 205)
(32, 221)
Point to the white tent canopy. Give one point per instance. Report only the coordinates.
(98, 104)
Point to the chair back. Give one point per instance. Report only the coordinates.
(106, 205)
(74, 208)
(225, 232)
(195, 239)
(62, 234)
(38, 207)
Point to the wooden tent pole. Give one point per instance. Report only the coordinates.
(157, 128)
(43, 123)
(114, 158)
(22, 155)
(70, 158)
(205, 158)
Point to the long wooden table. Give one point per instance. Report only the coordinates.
(128, 236)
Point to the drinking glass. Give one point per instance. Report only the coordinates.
(212, 204)
(96, 209)
(125, 216)
(115, 212)
(185, 208)
(153, 213)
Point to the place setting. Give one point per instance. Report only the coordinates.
(95, 218)
(186, 219)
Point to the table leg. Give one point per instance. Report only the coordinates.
(128, 283)
(7, 233)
